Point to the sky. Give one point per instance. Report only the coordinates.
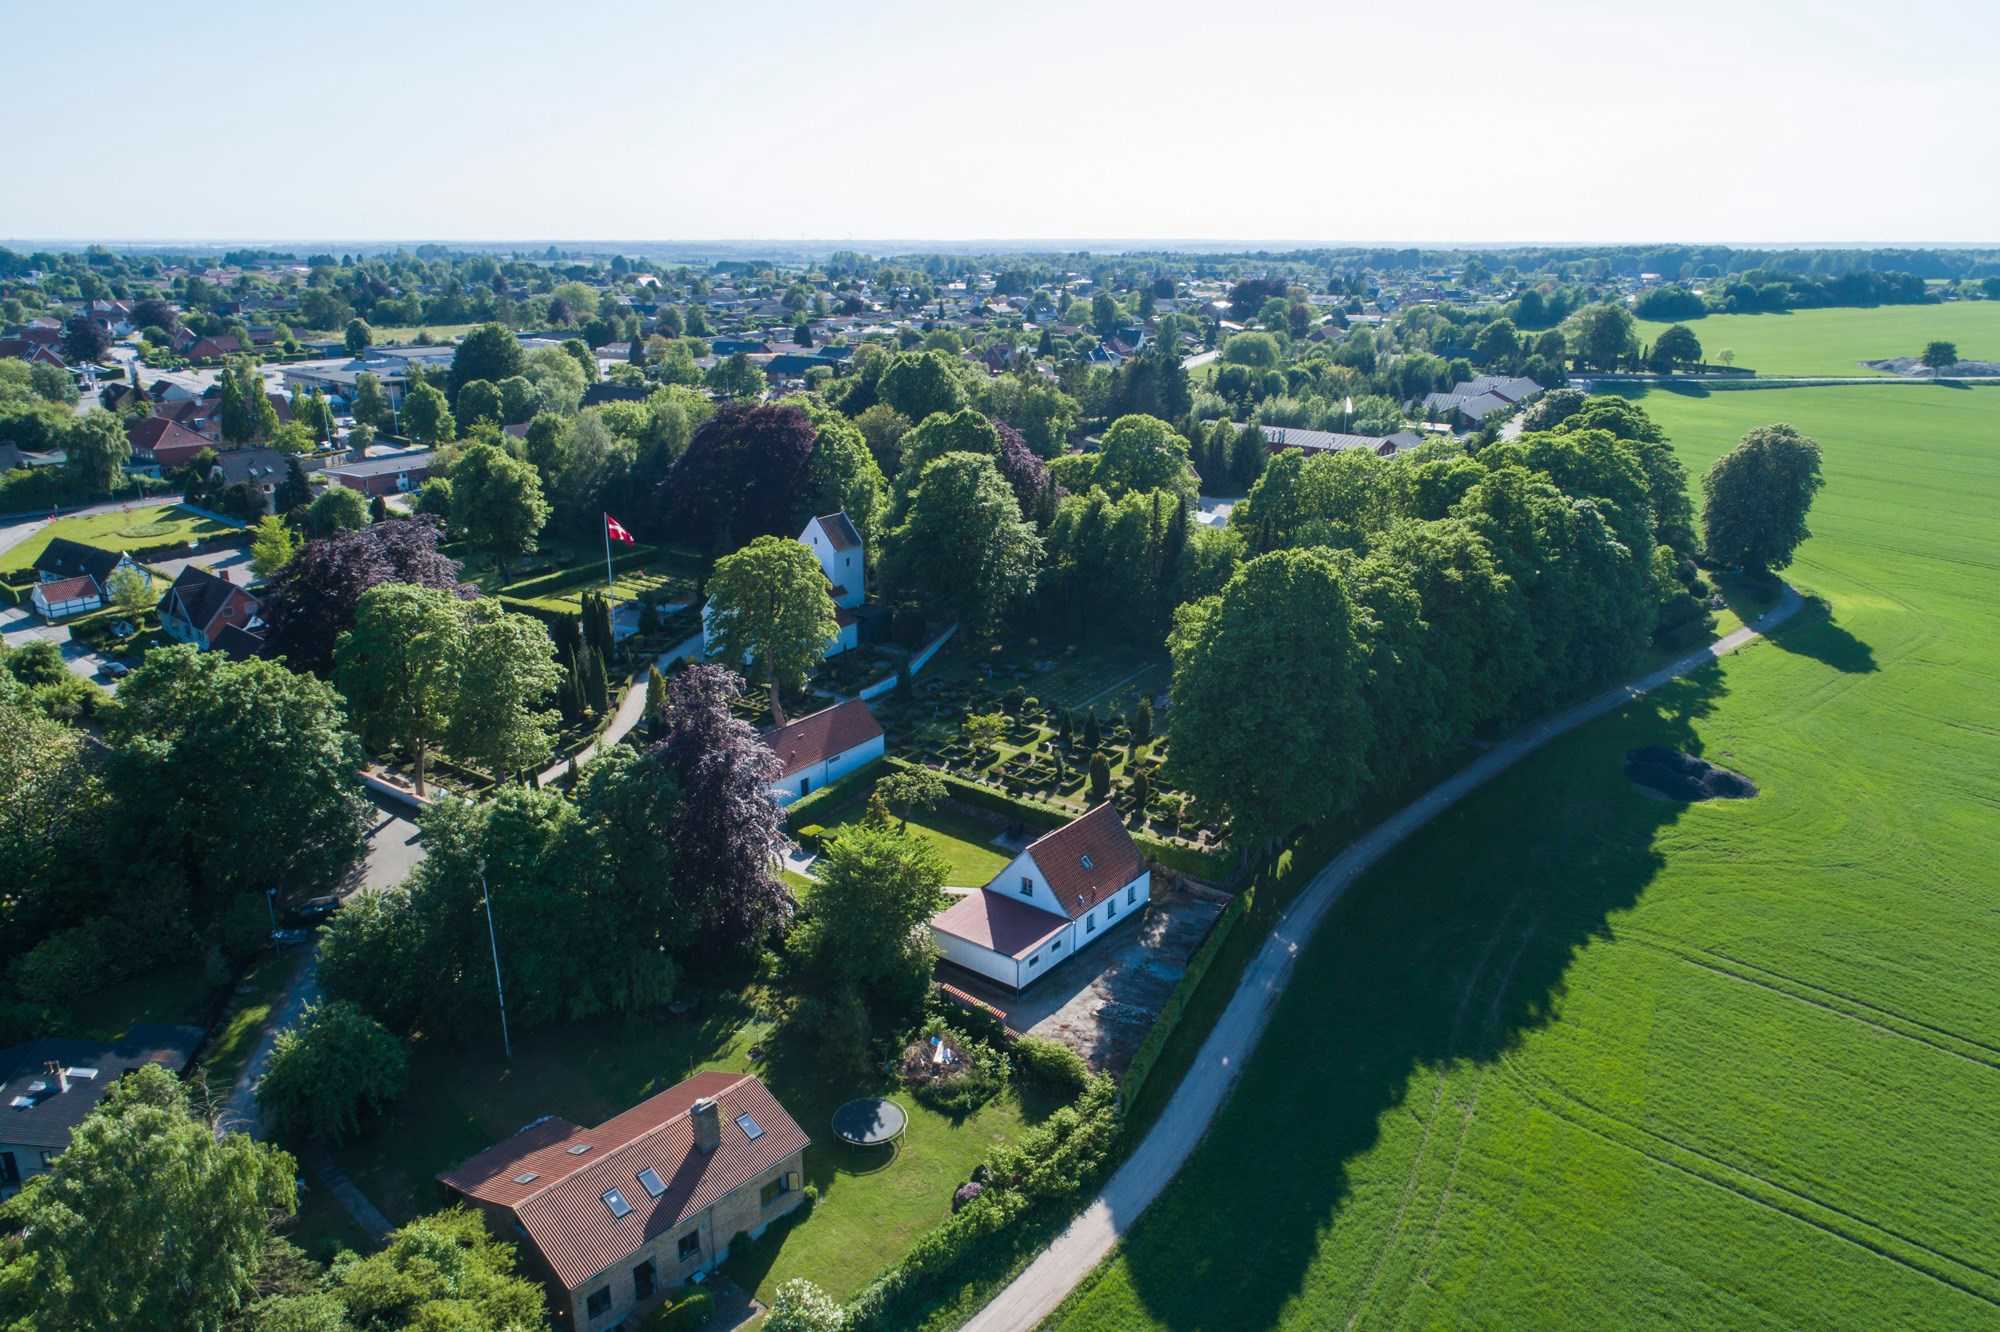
(1547, 120)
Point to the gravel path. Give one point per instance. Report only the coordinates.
(1089, 1240)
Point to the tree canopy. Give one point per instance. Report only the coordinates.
(1756, 497)
(768, 604)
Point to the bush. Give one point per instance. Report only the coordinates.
(683, 1315)
(335, 1065)
(1050, 1064)
(800, 1306)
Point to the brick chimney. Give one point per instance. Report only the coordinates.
(60, 1074)
(707, 1121)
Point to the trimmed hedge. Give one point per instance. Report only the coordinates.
(1149, 1049)
(834, 793)
(562, 579)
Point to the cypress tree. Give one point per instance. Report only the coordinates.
(1093, 734)
(600, 684)
(656, 697)
(1142, 720)
(1100, 779)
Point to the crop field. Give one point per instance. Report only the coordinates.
(1836, 342)
(1579, 1057)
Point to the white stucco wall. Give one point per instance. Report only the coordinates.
(1127, 904)
(982, 960)
(809, 779)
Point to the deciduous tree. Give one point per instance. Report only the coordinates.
(1756, 498)
(768, 604)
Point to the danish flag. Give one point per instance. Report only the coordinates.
(616, 531)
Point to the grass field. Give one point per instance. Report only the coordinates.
(1835, 342)
(1578, 1058)
(162, 525)
(965, 843)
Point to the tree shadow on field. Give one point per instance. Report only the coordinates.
(1815, 633)
(1440, 961)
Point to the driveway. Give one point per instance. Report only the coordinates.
(393, 848)
(1034, 1294)
(19, 626)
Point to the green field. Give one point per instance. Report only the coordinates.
(1835, 342)
(966, 844)
(161, 525)
(1575, 1057)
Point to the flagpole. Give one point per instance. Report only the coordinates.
(608, 581)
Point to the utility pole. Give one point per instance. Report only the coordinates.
(493, 939)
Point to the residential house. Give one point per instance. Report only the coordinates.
(616, 1217)
(263, 470)
(62, 560)
(396, 474)
(65, 597)
(1053, 900)
(1280, 438)
(213, 348)
(823, 747)
(32, 351)
(161, 444)
(200, 605)
(1469, 404)
(51, 1084)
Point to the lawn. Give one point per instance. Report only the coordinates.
(1835, 342)
(161, 525)
(236, 1033)
(461, 1101)
(1575, 1057)
(965, 843)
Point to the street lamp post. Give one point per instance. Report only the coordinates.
(270, 905)
(499, 989)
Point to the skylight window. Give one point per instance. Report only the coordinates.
(651, 1179)
(526, 1177)
(1088, 863)
(751, 1128)
(578, 1150)
(616, 1202)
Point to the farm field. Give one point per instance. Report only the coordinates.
(1835, 342)
(161, 525)
(1577, 1057)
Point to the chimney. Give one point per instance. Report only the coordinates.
(61, 1075)
(707, 1121)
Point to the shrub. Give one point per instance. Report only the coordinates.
(1050, 1064)
(336, 1064)
(683, 1315)
(800, 1306)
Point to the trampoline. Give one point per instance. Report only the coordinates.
(869, 1122)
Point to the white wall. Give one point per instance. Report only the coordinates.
(823, 774)
(1085, 936)
(982, 960)
(1023, 866)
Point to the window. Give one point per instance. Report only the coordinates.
(1132, 893)
(1088, 863)
(1034, 959)
(1110, 907)
(642, 1280)
(771, 1192)
(690, 1245)
(1027, 886)
(599, 1303)
(578, 1150)
(1090, 923)
(616, 1202)
(751, 1128)
(1055, 947)
(654, 1185)
(526, 1177)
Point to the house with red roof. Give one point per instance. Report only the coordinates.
(616, 1216)
(1059, 896)
(823, 747)
(63, 597)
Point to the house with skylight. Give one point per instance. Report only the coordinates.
(617, 1217)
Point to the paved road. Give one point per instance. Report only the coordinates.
(1035, 1293)
(630, 708)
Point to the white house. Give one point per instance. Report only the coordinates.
(1056, 898)
(61, 598)
(823, 748)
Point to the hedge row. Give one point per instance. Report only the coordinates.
(1204, 957)
(561, 579)
(831, 795)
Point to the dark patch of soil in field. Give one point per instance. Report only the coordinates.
(1672, 775)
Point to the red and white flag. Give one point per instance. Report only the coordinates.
(617, 531)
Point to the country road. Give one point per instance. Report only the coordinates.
(1036, 1292)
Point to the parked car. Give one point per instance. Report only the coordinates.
(312, 911)
(117, 670)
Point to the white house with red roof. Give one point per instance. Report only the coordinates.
(617, 1216)
(1056, 898)
(823, 747)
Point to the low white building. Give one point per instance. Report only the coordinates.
(1054, 899)
(822, 748)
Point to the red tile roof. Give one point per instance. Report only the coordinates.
(823, 735)
(562, 1206)
(68, 589)
(154, 433)
(999, 922)
(839, 529)
(1088, 860)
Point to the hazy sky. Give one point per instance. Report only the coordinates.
(1753, 120)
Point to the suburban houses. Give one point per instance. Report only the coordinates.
(210, 611)
(51, 1084)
